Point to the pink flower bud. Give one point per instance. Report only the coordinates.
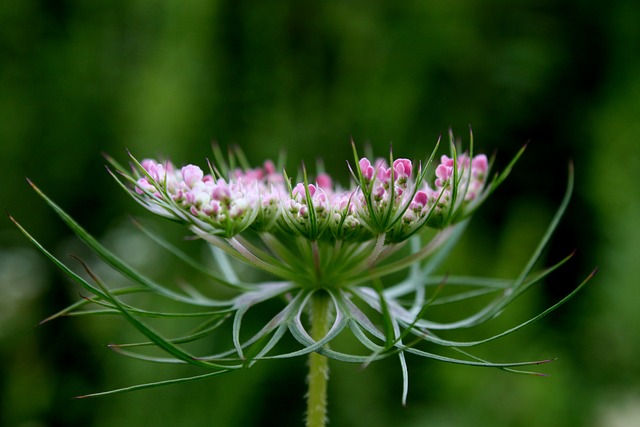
(402, 168)
(480, 164)
(143, 185)
(298, 191)
(324, 181)
(443, 173)
(421, 198)
(384, 174)
(269, 167)
(221, 192)
(192, 175)
(366, 168)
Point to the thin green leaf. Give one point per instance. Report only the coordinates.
(111, 258)
(148, 332)
(513, 371)
(387, 321)
(535, 318)
(258, 350)
(70, 310)
(59, 263)
(400, 265)
(472, 362)
(189, 260)
(155, 384)
(204, 330)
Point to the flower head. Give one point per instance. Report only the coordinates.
(369, 249)
(391, 199)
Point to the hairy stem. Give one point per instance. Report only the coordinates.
(318, 364)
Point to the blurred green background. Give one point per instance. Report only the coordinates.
(165, 78)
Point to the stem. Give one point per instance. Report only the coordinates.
(318, 364)
(316, 261)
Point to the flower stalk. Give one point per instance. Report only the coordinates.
(318, 364)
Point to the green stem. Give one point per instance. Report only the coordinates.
(316, 260)
(318, 364)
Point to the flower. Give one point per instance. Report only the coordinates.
(363, 256)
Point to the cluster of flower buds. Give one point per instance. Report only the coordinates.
(217, 205)
(391, 198)
(459, 182)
